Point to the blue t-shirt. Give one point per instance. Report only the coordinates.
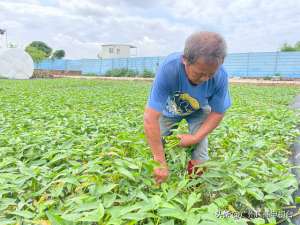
(173, 95)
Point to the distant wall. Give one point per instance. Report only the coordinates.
(257, 64)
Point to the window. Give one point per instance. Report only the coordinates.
(111, 50)
(118, 51)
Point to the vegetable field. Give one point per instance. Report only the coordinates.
(74, 152)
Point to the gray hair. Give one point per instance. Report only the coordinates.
(209, 45)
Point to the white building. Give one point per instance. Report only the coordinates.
(116, 51)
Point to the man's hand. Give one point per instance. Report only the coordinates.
(161, 174)
(152, 131)
(187, 140)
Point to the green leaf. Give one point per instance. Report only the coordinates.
(55, 219)
(126, 173)
(193, 219)
(258, 221)
(23, 213)
(182, 184)
(70, 180)
(221, 202)
(71, 216)
(192, 199)
(171, 194)
(117, 211)
(87, 206)
(108, 200)
(7, 222)
(173, 213)
(5, 202)
(103, 189)
(170, 222)
(237, 180)
(256, 193)
(138, 216)
(286, 183)
(297, 199)
(93, 216)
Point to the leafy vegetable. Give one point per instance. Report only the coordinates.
(74, 152)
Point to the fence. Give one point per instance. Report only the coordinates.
(259, 64)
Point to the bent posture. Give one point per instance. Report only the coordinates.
(192, 85)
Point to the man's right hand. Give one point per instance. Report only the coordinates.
(161, 174)
(152, 131)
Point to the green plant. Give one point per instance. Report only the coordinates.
(289, 48)
(36, 54)
(122, 72)
(41, 46)
(38, 50)
(90, 74)
(277, 74)
(74, 152)
(58, 54)
(267, 78)
(147, 73)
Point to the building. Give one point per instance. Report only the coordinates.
(116, 51)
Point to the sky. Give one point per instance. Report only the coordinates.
(156, 27)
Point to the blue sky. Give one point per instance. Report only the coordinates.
(156, 27)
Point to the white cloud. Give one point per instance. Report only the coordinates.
(156, 27)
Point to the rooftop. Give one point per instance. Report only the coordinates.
(130, 46)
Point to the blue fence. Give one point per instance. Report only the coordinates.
(259, 64)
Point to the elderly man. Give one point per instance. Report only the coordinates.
(191, 86)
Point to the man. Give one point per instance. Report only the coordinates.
(191, 86)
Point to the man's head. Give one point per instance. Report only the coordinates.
(204, 52)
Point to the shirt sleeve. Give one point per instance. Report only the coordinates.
(220, 101)
(161, 88)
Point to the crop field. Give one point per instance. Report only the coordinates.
(74, 152)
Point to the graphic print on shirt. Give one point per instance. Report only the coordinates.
(182, 104)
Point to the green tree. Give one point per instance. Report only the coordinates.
(36, 54)
(58, 54)
(289, 48)
(38, 50)
(42, 46)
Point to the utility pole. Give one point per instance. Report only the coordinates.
(4, 32)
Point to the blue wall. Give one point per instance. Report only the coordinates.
(257, 64)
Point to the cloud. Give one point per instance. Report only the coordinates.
(156, 27)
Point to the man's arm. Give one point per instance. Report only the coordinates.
(219, 102)
(212, 121)
(209, 124)
(152, 131)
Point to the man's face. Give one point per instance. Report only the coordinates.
(200, 71)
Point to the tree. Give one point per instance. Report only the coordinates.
(42, 46)
(289, 48)
(36, 54)
(58, 54)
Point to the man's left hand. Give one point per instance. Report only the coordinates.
(187, 140)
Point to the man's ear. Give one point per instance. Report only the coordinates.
(184, 61)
